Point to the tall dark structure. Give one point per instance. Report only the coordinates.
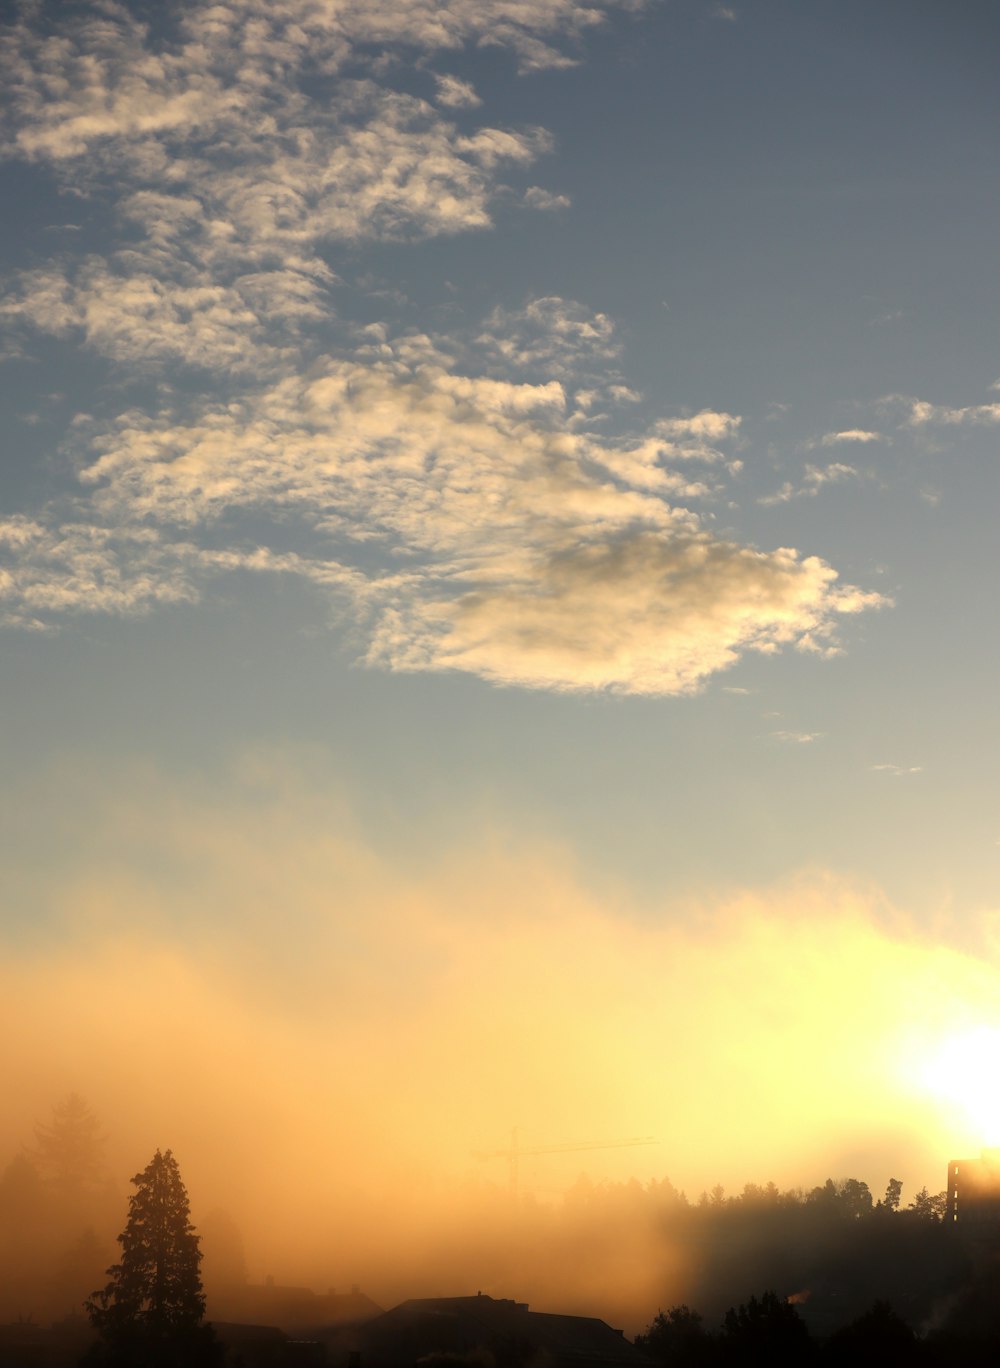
(974, 1192)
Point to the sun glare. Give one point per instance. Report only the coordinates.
(964, 1070)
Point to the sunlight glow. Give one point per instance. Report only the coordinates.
(964, 1071)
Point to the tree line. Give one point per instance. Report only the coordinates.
(842, 1266)
(770, 1332)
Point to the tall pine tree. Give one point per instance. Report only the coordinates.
(151, 1311)
(69, 1150)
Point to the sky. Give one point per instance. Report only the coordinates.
(497, 615)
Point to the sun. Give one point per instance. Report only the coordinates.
(964, 1071)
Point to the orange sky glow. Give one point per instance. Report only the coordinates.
(331, 1039)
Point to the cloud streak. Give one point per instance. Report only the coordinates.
(814, 479)
(921, 413)
(861, 435)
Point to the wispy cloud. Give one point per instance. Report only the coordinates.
(897, 771)
(49, 571)
(796, 738)
(703, 427)
(553, 335)
(139, 318)
(535, 197)
(105, 76)
(235, 152)
(814, 479)
(861, 435)
(454, 493)
(920, 413)
(519, 547)
(454, 93)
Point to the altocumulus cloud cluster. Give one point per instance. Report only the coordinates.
(456, 495)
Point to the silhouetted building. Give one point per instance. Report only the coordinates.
(485, 1329)
(974, 1191)
(291, 1309)
(265, 1346)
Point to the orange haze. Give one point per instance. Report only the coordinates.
(325, 1036)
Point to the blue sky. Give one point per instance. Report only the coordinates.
(533, 427)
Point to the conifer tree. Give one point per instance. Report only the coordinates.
(151, 1311)
(68, 1150)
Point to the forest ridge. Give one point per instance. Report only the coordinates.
(617, 1250)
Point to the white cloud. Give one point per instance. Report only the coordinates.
(697, 437)
(236, 149)
(704, 426)
(813, 480)
(378, 165)
(230, 255)
(50, 570)
(645, 614)
(373, 448)
(98, 79)
(511, 562)
(785, 494)
(797, 738)
(228, 265)
(469, 520)
(454, 93)
(136, 317)
(850, 435)
(837, 471)
(537, 198)
(538, 31)
(898, 771)
(220, 150)
(553, 335)
(924, 414)
(512, 544)
(104, 77)
(78, 567)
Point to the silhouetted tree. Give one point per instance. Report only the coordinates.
(893, 1192)
(855, 1199)
(825, 1196)
(151, 1312)
(877, 1338)
(769, 1331)
(678, 1339)
(928, 1208)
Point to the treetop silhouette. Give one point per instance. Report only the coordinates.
(152, 1309)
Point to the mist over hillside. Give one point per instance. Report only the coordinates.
(619, 1250)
